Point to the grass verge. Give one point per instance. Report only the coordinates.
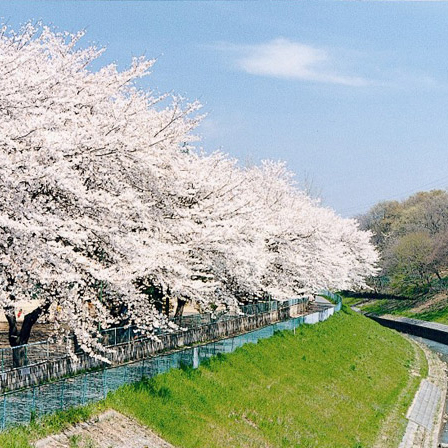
(431, 310)
(334, 384)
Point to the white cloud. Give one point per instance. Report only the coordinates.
(282, 58)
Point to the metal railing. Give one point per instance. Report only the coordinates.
(20, 407)
(335, 298)
(37, 352)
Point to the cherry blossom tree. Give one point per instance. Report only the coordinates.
(74, 182)
(309, 247)
(107, 210)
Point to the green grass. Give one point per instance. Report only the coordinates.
(333, 384)
(434, 315)
(387, 306)
(351, 301)
(23, 436)
(403, 307)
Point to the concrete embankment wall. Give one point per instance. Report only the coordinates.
(428, 330)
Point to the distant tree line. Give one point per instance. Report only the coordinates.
(412, 237)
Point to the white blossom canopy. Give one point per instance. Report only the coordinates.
(102, 196)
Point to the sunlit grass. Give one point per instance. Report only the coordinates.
(431, 312)
(435, 315)
(329, 385)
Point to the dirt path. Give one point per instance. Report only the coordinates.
(109, 430)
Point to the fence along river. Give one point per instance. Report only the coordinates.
(39, 352)
(21, 406)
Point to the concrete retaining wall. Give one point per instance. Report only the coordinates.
(428, 330)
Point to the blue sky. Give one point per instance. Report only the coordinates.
(353, 95)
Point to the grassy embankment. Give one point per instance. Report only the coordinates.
(433, 309)
(333, 384)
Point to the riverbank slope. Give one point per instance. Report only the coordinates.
(334, 384)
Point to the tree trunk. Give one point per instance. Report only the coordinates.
(19, 356)
(17, 339)
(179, 309)
(159, 307)
(167, 305)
